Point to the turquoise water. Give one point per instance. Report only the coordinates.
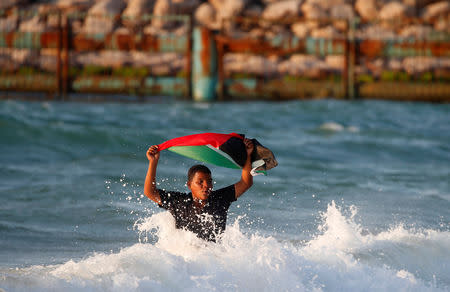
(360, 200)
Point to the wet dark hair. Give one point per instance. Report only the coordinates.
(197, 168)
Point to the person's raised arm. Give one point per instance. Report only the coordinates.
(246, 178)
(150, 180)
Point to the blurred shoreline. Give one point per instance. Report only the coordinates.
(227, 50)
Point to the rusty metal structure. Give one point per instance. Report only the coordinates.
(194, 62)
(361, 73)
(64, 59)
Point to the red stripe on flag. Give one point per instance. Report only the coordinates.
(213, 139)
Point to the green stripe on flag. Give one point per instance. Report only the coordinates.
(205, 154)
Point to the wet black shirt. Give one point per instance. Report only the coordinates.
(207, 222)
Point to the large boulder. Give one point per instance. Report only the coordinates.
(313, 11)
(5, 62)
(47, 60)
(98, 25)
(342, 11)
(164, 8)
(9, 24)
(160, 63)
(226, 10)
(49, 16)
(376, 66)
(23, 56)
(6, 4)
(206, 15)
(114, 59)
(419, 65)
(250, 64)
(73, 5)
(161, 9)
(297, 64)
(107, 7)
(436, 10)
(145, 59)
(13, 59)
(417, 31)
(301, 29)
(375, 32)
(394, 65)
(328, 4)
(394, 11)
(302, 65)
(101, 18)
(34, 24)
(327, 32)
(367, 9)
(278, 11)
(262, 66)
(132, 15)
(256, 33)
(443, 24)
(335, 62)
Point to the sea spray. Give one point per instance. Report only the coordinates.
(342, 243)
(337, 259)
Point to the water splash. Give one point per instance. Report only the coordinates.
(341, 257)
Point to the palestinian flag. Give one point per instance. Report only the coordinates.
(226, 150)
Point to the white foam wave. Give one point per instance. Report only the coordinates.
(336, 127)
(342, 257)
(423, 254)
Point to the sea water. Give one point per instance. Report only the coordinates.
(360, 200)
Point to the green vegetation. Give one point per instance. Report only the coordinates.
(365, 78)
(95, 70)
(328, 77)
(426, 77)
(403, 76)
(92, 70)
(182, 74)
(395, 76)
(28, 71)
(242, 76)
(130, 72)
(126, 72)
(291, 78)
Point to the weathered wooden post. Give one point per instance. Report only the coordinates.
(65, 48)
(189, 59)
(351, 59)
(220, 69)
(58, 56)
(204, 65)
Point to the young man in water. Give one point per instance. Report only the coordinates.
(203, 211)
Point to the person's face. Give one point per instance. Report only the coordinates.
(200, 185)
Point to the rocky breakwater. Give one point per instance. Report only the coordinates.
(93, 26)
(387, 21)
(420, 20)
